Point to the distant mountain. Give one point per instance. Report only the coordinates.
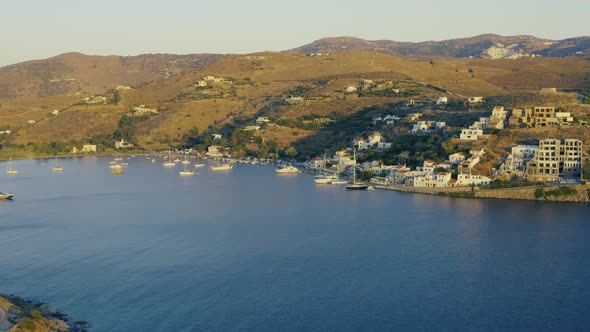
(72, 73)
(486, 46)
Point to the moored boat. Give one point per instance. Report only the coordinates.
(324, 179)
(6, 196)
(288, 170)
(10, 170)
(224, 167)
(356, 185)
(56, 167)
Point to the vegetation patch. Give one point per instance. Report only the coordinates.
(561, 191)
(508, 184)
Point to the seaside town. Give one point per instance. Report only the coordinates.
(465, 163)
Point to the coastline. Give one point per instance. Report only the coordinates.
(532, 193)
(529, 193)
(18, 314)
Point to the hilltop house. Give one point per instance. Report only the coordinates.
(293, 100)
(442, 100)
(475, 100)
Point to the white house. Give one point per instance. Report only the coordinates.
(428, 126)
(251, 128)
(216, 136)
(350, 89)
(262, 119)
(55, 112)
(475, 100)
(442, 100)
(498, 117)
(293, 100)
(477, 151)
(361, 143)
(318, 163)
(428, 166)
(375, 138)
(122, 144)
(383, 145)
(524, 151)
(472, 179)
(31, 122)
(471, 134)
(88, 148)
(456, 158)
(425, 181)
(443, 179)
(214, 151)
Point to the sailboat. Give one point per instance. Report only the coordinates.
(224, 167)
(186, 162)
(356, 185)
(324, 178)
(56, 167)
(187, 172)
(115, 164)
(11, 170)
(338, 181)
(169, 163)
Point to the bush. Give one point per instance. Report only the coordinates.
(36, 314)
(561, 191)
(27, 324)
(507, 184)
(539, 193)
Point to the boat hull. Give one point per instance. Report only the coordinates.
(357, 186)
(6, 196)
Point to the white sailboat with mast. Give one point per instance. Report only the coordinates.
(56, 167)
(10, 170)
(356, 185)
(170, 162)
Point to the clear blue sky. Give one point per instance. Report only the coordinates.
(35, 29)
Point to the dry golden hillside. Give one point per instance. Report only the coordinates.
(258, 84)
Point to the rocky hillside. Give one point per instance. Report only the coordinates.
(487, 46)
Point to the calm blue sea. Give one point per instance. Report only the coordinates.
(250, 250)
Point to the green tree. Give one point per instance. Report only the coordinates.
(291, 152)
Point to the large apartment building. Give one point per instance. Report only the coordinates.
(556, 159)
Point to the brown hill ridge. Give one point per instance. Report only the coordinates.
(487, 46)
(76, 73)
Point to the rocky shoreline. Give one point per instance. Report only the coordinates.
(575, 193)
(18, 314)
